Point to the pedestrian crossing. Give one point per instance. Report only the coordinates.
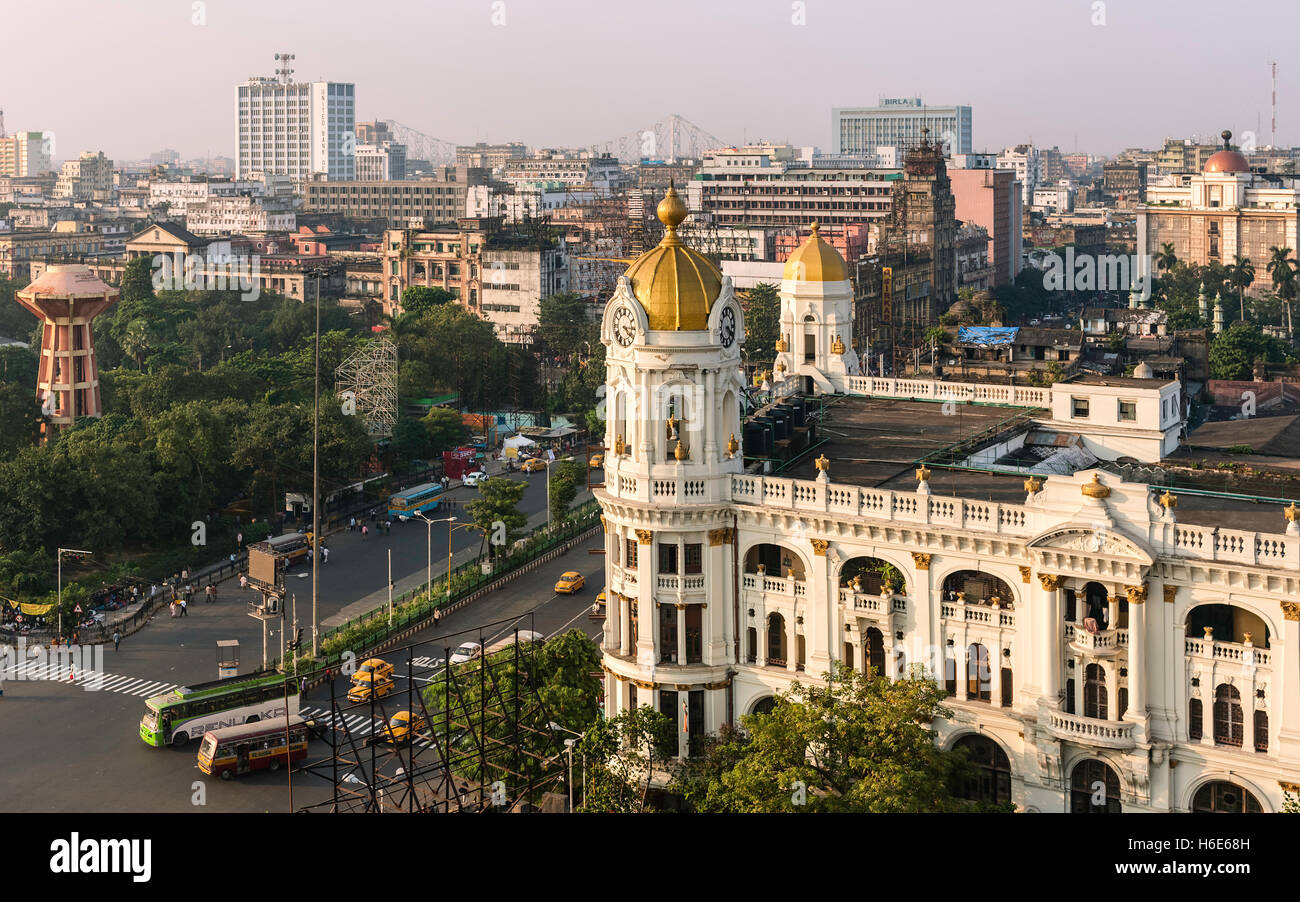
(91, 680)
(357, 725)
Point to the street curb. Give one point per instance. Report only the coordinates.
(445, 612)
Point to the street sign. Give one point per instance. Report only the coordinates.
(77, 609)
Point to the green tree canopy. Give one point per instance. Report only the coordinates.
(1234, 353)
(446, 429)
(420, 299)
(498, 503)
(762, 324)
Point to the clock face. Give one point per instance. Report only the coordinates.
(624, 326)
(727, 327)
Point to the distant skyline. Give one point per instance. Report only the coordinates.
(131, 77)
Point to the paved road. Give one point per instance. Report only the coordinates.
(68, 748)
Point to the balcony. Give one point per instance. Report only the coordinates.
(787, 586)
(987, 615)
(873, 604)
(1108, 734)
(1103, 643)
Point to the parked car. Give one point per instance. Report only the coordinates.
(533, 465)
(473, 479)
(465, 652)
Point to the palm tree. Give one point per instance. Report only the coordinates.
(1241, 274)
(1282, 270)
(1166, 259)
(136, 341)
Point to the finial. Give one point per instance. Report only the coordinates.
(1168, 500)
(1033, 485)
(837, 346)
(923, 474)
(816, 227)
(1226, 136)
(822, 463)
(671, 210)
(680, 451)
(732, 446)
(1096, 488)
(1292, 513)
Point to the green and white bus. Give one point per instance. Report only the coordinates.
(191, 711)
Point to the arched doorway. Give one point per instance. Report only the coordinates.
(774, 560)
(990, 776)
(875, 651)
(776, 640)
(977, 587)
(1222, 797)
(1094, 788)
(1228, 721)
(871, 575)
(1096, 603)
(809, 339)
(1228, 623)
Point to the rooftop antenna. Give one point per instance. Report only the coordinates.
(1272, 135)
(283, 71)
(2, 124)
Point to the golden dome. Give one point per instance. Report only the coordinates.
(675, 285)
(816, 261)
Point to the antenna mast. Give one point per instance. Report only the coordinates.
(283, 71)
(1272, 136)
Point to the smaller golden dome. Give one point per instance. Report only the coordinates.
(816, 261)
(1095, 489)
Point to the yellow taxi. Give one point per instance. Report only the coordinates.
(597, 461)
(533, 465)
(570, 582)
(372, 669)
(364, 692)
(403, 724)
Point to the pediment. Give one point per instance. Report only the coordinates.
(1101, 539)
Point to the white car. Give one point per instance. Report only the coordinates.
(465, 652)
(473, 479)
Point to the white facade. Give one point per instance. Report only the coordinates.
(299, 129)
(514, 283)
(602, 173)
(518, 204)
(898, 122)
(383, 162)
(236, 215)
(725, 588)
(1023, 159)
(89, 177)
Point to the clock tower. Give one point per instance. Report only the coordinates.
(674, 383)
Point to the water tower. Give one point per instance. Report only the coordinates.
(67, 298)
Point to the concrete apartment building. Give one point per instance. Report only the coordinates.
(384, 161)
(515, 281)
(901, 123)
(299, 129)
(89, 177)
(440, 199)
(1224, 211)
(489, 156)
(1023, 160)
(604, 174)
(25, 154)
(237, 215)
(990, 198)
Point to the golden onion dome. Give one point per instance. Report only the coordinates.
(675, 284)
(816, 261)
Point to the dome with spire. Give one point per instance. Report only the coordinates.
(675, 284)
(1143, 371)
(1227, 159)
(816, 261)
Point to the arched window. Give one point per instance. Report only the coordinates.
(871, 575)
(776, 640)
(977, 587)
(979, 680)
(764, 705)
(1195, 719)
(848, 655)
(1221, 797)
(1229, 623)
(809, 339)
(776, 560)
(751, 645)
(1094, 692)
(1096, 604)
(1094, 788)
(990, 780)
(875, 653)
(1227, 716)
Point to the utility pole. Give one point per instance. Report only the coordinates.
(315, 480)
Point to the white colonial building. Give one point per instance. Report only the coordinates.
(1099, 654)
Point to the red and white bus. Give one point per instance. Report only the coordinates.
(254, 746)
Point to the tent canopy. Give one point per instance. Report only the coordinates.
(518, 441)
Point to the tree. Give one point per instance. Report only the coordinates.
(570, 691)
(137, 280)
(622, 756)
(411, 439)
(857, 743)
(762, 324)
(1234, 353)
(1282, 270)
(446, 429)
(20, 418)
(496, 512)
(562, 323)
(565, 477)
(1241, 273)
(136, 341)
(420, 299)
(1166, 259)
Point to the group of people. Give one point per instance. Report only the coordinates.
(353, 525)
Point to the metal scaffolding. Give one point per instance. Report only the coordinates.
(486, 743)
(368, 382)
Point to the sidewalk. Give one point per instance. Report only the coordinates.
(420, 578)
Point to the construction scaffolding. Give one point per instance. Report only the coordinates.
(367, 384)
(477, 735)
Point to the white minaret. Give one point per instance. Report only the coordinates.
(674, 383)
(817, 317)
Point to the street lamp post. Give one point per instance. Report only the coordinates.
(63, 551)
(568, 747)
(429, 574)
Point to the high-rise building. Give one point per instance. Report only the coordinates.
(25, 154)
(89, 177)
(1023, 160)
(987, 197)
(384, 161)
(293, 128)
(899, 122)
(489, 156)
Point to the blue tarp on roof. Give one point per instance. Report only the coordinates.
(987, 336)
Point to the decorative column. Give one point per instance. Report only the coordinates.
(1112, 612)
(681, 632)
(1079, 668)
(925, 616)
(1049, 637)
(647, 615)
(821, 605)
(1112, 690)
(1137, 651)
(995, 665)
(1080, 607)
(1289, 734)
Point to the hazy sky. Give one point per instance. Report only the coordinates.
(133, 76)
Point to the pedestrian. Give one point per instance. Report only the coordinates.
(324, 554)
(184, 608)
(373, 514)
(117, 639)
(365, 530)
(185, 574)
(352, 524)
(239, 540)
(302, 688)
(76, 637)
(243, 580)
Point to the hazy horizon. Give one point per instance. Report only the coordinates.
(132, 78)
